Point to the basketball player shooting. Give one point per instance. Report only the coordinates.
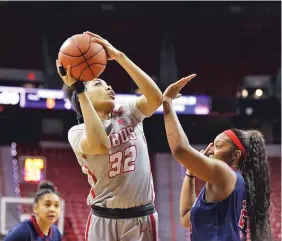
(111, 148)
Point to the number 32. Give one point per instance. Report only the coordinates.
(122, 161)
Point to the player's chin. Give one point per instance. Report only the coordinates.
(51, 219)
(109, 104)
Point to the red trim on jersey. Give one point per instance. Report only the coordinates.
(152, 187)
(87, 226)
(154, 228)
(38, 230)
(236, 141)
(91, 174)
(152, 184)
(93, 193)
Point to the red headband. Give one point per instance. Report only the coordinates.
(236, 141)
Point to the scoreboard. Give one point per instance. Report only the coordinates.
(54, 99)
(32, 169)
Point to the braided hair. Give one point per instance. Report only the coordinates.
(255, 170)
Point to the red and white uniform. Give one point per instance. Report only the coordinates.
(122, 178)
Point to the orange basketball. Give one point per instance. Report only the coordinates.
(86, 58)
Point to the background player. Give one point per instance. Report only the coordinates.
(40, 226)
(111, 148)
(237, 176)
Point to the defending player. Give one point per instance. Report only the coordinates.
(237, 178)
(40, 227)
(111, 148)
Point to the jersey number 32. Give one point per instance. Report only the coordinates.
(123, 161)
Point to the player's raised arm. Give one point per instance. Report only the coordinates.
(151, 99)
(187, 199)
(94, 140)
(207, 169)
(188, 194)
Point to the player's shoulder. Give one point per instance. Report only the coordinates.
(56, 231)
(20, 231)
(54, 227)
(22, 226)
(74, 133)
(240, 182)
(75, 128)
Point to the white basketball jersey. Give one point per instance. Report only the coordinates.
(122, 178)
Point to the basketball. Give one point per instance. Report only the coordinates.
(86, 58)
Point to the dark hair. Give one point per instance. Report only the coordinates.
(255, 171)
(45, 187)
(72, 96)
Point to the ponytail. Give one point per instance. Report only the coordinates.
(76, 106)
(72, 96)
(255, 170)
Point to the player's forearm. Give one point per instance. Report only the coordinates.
(176, 137)
(188, 195)
(187, 198)
(145, 84)
(94, 129)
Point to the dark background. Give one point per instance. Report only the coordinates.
(220, 41)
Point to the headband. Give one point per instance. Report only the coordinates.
(236, 141)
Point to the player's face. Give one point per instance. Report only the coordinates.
(48, 208)
(101, 95)
(222, 149)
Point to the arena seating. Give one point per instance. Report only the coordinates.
(64, 171)
(222, 52)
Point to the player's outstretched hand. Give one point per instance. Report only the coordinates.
(173, 90)
(112, 52)
(66, 76)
